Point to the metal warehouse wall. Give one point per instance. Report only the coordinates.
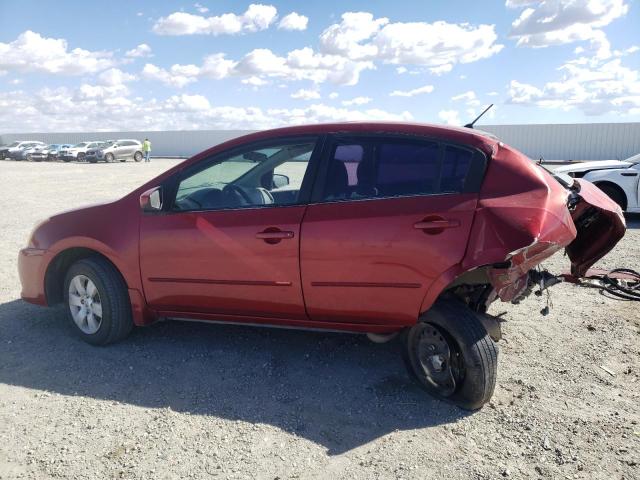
(573, 141)
(591, 141)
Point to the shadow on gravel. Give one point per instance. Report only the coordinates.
(340, 391)
(633, 220)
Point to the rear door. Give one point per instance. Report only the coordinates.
(389, 215)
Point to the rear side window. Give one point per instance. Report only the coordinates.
(408, 169)
(379, 168)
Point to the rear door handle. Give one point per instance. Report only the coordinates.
(436, 225)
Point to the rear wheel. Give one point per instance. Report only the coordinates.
(450, 354)
(108, 157)
(97, 301)
(614, 193)
(29, 157)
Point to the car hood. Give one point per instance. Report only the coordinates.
(596, 165)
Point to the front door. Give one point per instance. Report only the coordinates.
(391, 216)
(229, 243)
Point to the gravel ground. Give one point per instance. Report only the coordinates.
(178, 400)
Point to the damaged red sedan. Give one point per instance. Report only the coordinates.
(375, 228)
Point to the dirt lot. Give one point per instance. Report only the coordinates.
(180, 400)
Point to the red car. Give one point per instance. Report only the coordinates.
(376, 228)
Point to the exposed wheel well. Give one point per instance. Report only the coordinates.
(57, 269)
(617, 189)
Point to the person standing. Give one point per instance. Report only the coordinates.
(146, 149)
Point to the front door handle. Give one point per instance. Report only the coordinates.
(435, 225)
(274, 235)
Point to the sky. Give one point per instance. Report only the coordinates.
(216, 64)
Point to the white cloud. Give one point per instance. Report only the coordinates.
(115, 76)
(451, 117)
(293, 21)
(357, 101)
(401, 70)
(334, 95)
(31, 52)
(412, 93)
(469, 98)
(556, 22)
(256, 17)
(301, 64)
(177, 76)
(492, 94)
(607, 87)
(142, 50)
(303, 94)
(100, 108)
(520, 3)
(254, 81)
(438, 45)
(201, 8)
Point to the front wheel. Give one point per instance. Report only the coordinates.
(109, 157)
(97, 301)
(450, 354)
(614, 194)
(137, 156)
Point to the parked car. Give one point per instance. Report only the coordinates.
(20, 152)
(35, 153)
(4, 149)
(92, 153)
(55, 149)
(618, 179)
(77, 152)
(375, 228)
(123, 150)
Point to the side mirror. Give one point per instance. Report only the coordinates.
(151, 200)
(280, 180)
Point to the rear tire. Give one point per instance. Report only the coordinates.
(450, 354)
(614, 193)
(112, 320)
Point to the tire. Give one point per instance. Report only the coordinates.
(116, 320)
(614, 193)
(473, 362)
(29, 157)
(137, 156)
(109, 157)
(81, 157)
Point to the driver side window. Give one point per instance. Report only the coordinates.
(266, 176)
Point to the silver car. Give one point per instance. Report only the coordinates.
(122, 150)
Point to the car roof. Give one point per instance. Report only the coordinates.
(467, 136)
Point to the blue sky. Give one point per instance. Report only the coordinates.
(219, 64)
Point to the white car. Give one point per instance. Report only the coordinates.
(616, 178)
(77, 152)
(123, 150)
(17, 152)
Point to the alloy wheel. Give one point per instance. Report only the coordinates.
(85, 304)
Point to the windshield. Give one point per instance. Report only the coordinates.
(14, 144)
(53, 145)
(80, 145)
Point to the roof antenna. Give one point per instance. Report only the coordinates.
(470, 125)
